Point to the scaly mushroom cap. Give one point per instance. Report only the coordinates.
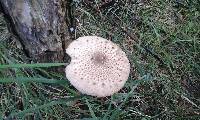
(98, 67)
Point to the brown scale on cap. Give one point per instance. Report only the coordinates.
(98, 67)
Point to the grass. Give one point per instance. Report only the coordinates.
(162, 41)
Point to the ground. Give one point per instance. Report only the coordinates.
(162, 41)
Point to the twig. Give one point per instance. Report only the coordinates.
(124, 30)
(144, 47)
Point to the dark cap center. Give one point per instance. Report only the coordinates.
(99, 58)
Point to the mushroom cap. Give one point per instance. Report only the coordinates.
(98, 67)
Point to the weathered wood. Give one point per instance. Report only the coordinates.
(40, 25)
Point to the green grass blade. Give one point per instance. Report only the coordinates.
(109, 109)
(22, 113)
(32, 79)
(35, 65)
(90, 109)
(117, 111)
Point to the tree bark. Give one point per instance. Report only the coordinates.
(40, 25)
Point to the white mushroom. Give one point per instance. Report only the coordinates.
(98, 67)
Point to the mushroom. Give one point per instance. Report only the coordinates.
(98, 66)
